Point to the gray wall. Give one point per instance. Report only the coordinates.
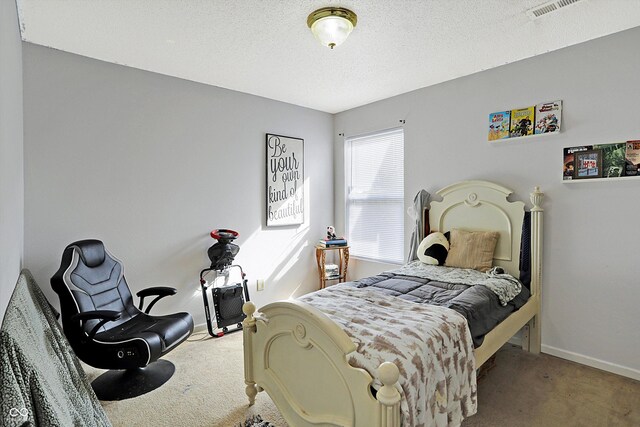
(591, 269)
(150, 164)
(11, 153)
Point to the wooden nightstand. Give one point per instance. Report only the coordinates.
(343, 263)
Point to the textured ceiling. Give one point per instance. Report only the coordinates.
(265, 48)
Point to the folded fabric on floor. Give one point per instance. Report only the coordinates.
(255, 421)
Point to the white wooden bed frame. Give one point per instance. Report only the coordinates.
(299, 356)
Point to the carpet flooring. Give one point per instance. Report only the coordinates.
(206, 390)
(521, 390)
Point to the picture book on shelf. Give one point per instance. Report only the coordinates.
(613, 159)
(499, 125)
(548, 117)
(632, 158)
(521, 122)
(568, 169)
(588, 164)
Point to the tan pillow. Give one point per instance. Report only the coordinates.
(472, 249)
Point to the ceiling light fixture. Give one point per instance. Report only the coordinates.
(332, 25)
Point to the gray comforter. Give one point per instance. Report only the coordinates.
(480, 305)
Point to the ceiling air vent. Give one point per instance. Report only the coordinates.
(548, 7)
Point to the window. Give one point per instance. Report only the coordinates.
(375, 195)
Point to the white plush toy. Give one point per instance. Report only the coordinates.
(331, 233)
(433, 249)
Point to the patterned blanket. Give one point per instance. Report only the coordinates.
(431, 346)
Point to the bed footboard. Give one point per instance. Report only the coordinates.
(299, 357)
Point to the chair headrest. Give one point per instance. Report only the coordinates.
(91, 252)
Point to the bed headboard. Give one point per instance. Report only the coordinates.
(483, 205)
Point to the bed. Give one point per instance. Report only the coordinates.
(305, 360)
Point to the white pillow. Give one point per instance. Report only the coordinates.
(433, 249)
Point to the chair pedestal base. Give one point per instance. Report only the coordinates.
(128, 383)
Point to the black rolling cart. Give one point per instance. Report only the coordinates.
(229, 298)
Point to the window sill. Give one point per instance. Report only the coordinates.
(379, 261)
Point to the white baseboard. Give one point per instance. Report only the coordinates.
(202, 327)
(583, 360)
(590, 361)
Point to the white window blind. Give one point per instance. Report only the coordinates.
(375, 195)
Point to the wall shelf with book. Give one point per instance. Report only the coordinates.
(618, 161)
(525, 123)
(617, 178)
(522, 138)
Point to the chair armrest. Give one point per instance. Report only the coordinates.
(157, 290)
(160, 291)
(108, 315)
(105, 315)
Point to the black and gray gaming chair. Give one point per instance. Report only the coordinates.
(105, 328)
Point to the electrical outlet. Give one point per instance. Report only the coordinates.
(260, 285)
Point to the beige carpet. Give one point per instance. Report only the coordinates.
(528, 390)
(207, 389)
(522, 390)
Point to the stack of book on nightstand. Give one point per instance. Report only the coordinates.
(331, 271)
(326, 243)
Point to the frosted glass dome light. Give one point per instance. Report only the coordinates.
(332, 25)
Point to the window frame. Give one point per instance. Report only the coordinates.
(348, 140)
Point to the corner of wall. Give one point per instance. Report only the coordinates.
(11, 153)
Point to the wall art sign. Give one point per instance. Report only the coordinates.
(285, 180)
